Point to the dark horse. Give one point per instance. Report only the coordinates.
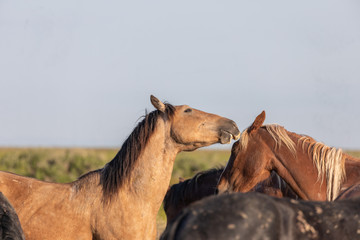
(185, 192)
(10, 228)
(204, 184)
(258, 216)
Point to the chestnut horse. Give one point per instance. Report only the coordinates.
(204, 184)
(312, 169)
(258, 216)
(121, 200)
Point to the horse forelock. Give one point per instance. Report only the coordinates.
(244, 140)
(117, 172)
(330, 164)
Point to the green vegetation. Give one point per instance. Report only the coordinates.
(66, 165)
(53, 165)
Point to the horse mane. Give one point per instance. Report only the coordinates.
(183, 192)
(329, 161)
(277, 132)
(116, 172)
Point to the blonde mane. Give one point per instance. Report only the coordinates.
(279, 134)
(244, 140)
(329, 161)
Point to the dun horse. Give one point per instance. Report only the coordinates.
(313, 170)
(258, 216)
(204, 184)
(121, 200)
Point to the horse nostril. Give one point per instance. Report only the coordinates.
(216, 191)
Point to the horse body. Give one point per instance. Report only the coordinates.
(258, 216)
(121, 200)
(313, 170)
(46, 209)
(182, 194)
(204, 184)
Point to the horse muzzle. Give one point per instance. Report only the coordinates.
(229, 131)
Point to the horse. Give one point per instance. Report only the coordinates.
(204, 184)
(351, 192)
(10, 228)
(258, 216)
(187, 191)
(312, 169)
(120, 200)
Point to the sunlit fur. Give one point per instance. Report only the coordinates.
(330, 164)
(117, 172)
(121, 200)
(279, 134)
(244, 140)
(329, 161)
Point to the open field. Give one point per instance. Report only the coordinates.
(67, 164)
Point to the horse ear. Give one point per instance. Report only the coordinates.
(259, 120)
(157, 103)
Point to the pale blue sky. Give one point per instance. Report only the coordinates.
(80, 73)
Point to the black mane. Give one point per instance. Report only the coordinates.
(184, 193)
(10, 227)
(117, 171)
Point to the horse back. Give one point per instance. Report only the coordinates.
(19, 188)
(43, 205)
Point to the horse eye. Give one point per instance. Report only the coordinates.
(188, 110)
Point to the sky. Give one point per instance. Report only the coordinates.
(80, 73)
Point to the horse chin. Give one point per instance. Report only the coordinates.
(225, 137)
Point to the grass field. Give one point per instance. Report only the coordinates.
(67, 164)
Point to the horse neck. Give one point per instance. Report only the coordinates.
(135, 204)
(299, 172)
(151, 176)
(202, 185)
(352, 169)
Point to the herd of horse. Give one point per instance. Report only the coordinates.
(276, 185)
